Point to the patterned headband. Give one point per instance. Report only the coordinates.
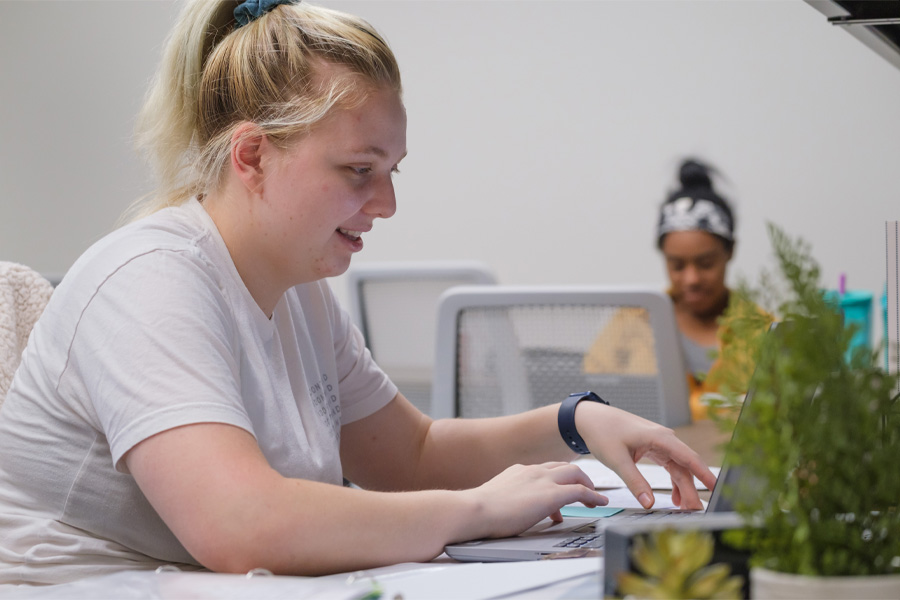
(250, 10)
(690, 214)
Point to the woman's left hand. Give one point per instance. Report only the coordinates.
(619, 439)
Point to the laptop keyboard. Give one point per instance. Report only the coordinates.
(590, 538)
(653, 515)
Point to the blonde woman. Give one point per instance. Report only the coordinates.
(194, 394)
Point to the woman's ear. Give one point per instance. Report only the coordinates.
(248, 143)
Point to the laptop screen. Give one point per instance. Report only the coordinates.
(733, 476)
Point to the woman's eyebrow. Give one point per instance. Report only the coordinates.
(704, 256)
(378, 151)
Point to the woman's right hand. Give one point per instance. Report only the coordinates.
(523, 495)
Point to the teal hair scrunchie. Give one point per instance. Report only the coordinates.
(250, 10)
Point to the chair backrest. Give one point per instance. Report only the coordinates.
(395, 306)
(23, 295)
(505, 349)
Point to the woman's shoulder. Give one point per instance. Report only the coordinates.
(179, 229)
(163, 248)
(742, 305)
(743, 322)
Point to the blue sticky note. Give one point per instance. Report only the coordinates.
(584, 511)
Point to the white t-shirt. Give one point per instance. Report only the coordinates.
(152, 329)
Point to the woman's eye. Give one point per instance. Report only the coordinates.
(361, 170)
(395, 170)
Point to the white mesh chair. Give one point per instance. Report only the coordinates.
(395, 306)
(504, 349)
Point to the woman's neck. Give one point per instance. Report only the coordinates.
(701, 328)
(236, 228)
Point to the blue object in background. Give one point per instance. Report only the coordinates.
(856, 307)
(884, 324)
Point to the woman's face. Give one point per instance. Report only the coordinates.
(326, 190)
(696, 262)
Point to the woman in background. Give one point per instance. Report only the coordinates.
(695, 234)
(194, 394)
(696, 237)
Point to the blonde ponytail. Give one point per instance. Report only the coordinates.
(272, 71)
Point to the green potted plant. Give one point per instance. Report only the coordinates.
(822, 443)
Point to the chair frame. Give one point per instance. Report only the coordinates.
(675, 410)
(361, 273)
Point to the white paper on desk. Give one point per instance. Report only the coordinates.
(623, 498)
(656, 476)
(483, 580)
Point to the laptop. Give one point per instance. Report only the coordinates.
(583, 536)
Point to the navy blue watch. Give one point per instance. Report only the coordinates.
(566, 420)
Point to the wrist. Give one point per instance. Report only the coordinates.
(469, 510)
(566, 420)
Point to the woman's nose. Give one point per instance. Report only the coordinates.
(690, 275)
(383, 202)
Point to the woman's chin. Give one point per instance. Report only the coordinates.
(705, 309)
(335, 268)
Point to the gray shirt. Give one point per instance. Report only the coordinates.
(697, 358)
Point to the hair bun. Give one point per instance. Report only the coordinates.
(694, 174)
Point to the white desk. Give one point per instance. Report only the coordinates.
(431, 581)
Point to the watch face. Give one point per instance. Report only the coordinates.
(590, 396)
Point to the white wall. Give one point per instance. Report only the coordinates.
(542, 135)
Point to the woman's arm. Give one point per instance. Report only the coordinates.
(215, 490)
(400, 448)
